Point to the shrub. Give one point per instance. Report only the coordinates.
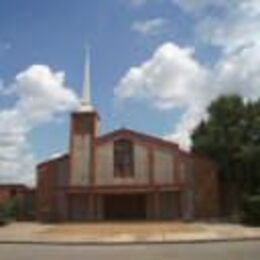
(251, 210)
(10, 209)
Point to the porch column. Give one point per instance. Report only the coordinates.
(176, 202)
(91, 206)
(68, 214)
(156, 203)
(65, 212)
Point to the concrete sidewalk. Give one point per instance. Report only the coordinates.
(117, 233)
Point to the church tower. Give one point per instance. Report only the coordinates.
(83, 132)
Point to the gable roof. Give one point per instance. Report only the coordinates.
(127, 133)
(134, 135)
(61, 157)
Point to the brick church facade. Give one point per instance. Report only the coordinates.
(123, 175)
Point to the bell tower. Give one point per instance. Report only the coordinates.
(83, 133)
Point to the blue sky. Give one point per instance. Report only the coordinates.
(153, 64)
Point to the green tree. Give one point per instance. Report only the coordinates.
(250, 150)
(231, 137)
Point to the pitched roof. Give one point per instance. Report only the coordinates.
(123, 132)
(54, 160)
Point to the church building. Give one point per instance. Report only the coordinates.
(123, 175)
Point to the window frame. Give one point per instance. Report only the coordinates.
(123, 158)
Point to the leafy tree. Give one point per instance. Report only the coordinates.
(231, 137)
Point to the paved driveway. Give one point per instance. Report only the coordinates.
(206, 251)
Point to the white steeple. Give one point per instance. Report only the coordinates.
(85, 104)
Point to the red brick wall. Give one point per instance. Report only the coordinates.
(45, 191)
(51, 178)
(206, 198)
(83, 123)
(4, 196)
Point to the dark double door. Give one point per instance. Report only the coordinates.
(78, 207)
(125, 207)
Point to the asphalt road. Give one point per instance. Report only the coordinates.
(207, 251)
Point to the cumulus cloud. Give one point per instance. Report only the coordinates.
(240, 73)
(165, 78)
(150, 27)
(173, 77)
(236, 26)
(41, 93)
(238, 29)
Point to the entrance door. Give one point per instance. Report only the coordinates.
(78, 207)
(125, 207)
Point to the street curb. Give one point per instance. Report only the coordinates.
(125, 243)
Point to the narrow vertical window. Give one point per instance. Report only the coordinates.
(123, 158)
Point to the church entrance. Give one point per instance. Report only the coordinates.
(125, 207)
(78, 207)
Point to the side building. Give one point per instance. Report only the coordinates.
(21, 197)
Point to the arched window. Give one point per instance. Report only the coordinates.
(123, 158)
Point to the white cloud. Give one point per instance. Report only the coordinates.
(165, 78)
(56, 155)
(188, 122)
(240, 73)
(41, 94)
(150, 27)
(238, 29)
(236, 26)
(199, 5)
(172, 78)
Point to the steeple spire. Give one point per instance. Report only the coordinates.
(86, 94)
